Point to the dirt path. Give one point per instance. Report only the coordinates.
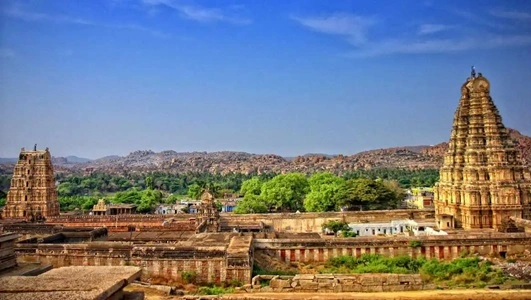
(151, 294)
(424, 295)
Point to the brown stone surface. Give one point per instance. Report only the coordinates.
(483, 179)
(409, 295)
(333, 283)
(32, 194)
(69, 283)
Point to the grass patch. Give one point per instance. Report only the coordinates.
(215, 290)
(189, 277)
(461, 272)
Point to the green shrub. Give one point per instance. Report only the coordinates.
(462, 272)
(215, 290)
(415, 244)
(189, 276)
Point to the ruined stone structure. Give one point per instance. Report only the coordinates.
(32, 194)
(7, 250)
(207, 214)
(337, 283)
(102, 209)
(482, 180)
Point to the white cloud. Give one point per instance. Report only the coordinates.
(30, 16)
(434, 46)
(433, 28)
(36, 17)
(6, 52)
(513, 15)
(352, 26)
(200, 14)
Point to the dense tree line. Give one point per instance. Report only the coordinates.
(318, 193)
(321, 192)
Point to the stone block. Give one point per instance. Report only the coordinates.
(351, 288)
(304, 277)
(279, 283)
(308, 285)
(325, 286)
(266, 289)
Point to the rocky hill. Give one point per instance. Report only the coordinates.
(414, 157)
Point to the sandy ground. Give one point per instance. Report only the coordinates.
(151, 294)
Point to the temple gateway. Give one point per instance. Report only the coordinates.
(482, 180)
(32, 194)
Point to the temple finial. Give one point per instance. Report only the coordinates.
(473, 72)
(35, 147)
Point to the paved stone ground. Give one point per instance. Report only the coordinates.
(69, 283)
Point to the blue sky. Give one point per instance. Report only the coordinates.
(95, 78)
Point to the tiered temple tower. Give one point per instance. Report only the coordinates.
(482, 180)
(207, 214)
(32, 194)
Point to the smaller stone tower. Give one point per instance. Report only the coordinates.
(32, 194)
(208, 215)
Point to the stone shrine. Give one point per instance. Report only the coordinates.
(482, 180)
(32, 194)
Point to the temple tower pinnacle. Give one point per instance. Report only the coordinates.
(482, 180)
(32, 194)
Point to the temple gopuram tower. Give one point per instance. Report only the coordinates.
(207, 214)
(482, 180)
(32, 194)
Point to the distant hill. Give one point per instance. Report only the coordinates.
(8, 160)
(77, 160)
(409, 157)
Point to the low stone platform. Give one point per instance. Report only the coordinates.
(71, 283)
(337, 283)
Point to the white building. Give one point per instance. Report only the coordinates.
(395, 227)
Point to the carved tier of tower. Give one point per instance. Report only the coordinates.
(482, 180)
(32, 193)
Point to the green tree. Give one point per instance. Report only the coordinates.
(251, 204)
(325, 189)
(369, 194)
(149, 182)
(252, 186)
(194, 191)
(335, 226)
(285, 191)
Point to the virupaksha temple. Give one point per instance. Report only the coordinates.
(482, 206)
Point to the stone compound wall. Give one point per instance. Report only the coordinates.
(327, 283)
(162, 263)
(312, 222)
(439, 247)
(7, 250)
(126, 222)
(282, 222)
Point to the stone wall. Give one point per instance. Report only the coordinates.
(7, 250)
(282, 222)
(337, 283)
(161, 263)
(439, 247)
(127, 222)
(312, 222)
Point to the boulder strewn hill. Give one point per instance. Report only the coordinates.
(414, 157)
